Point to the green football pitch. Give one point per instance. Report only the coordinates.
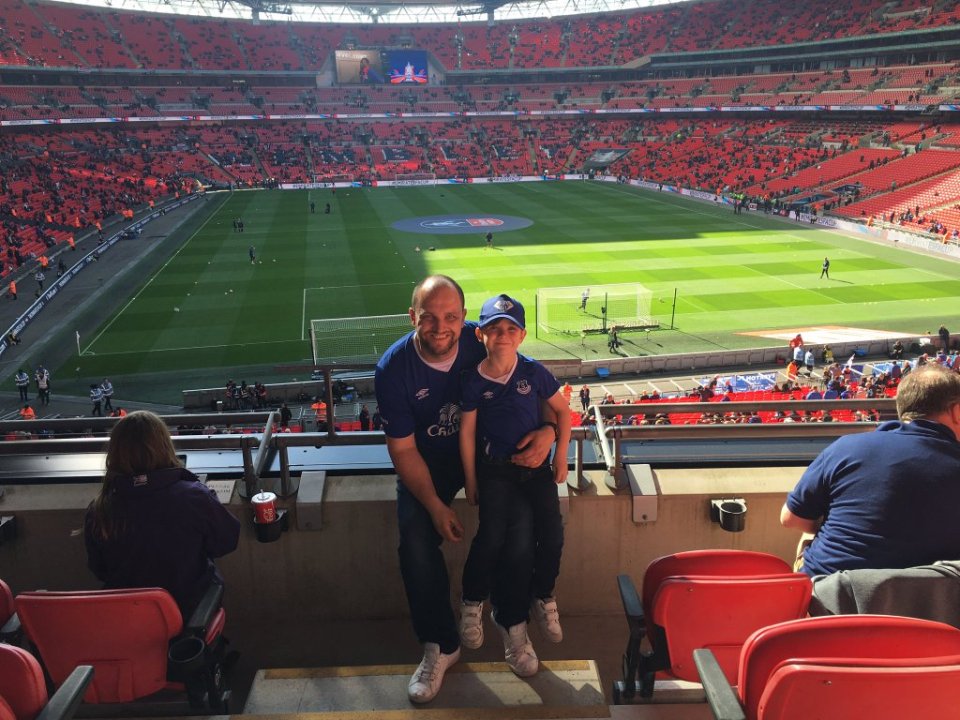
(725, 280)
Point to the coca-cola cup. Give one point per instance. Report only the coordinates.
(264, 507)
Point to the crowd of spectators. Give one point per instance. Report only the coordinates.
(48, 34)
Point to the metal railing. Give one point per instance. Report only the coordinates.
(257, 448)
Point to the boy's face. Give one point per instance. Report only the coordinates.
(501, 336)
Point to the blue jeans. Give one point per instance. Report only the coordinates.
(424, 569)
(506, 491)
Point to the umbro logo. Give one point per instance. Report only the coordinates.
(422, 393)
(488, 395)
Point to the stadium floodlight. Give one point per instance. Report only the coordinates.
(563, 311)
(355, 340)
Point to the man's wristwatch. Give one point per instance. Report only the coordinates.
(556, 430)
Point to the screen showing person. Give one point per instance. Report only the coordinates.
(359, 66)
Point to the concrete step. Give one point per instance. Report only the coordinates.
(562, 689)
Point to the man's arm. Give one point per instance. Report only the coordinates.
(562, 410)
(795, 522)
(468, 453)
(415, 476)
(534, 447)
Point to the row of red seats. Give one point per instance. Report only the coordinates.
(730, 618)
(64, 35)
(128, 642)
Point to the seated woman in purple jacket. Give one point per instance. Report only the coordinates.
(153, 523)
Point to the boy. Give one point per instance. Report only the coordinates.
(500, 404)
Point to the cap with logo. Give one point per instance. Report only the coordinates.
(502, 306)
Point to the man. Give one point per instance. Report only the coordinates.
(106, 389)
(23, 383)
(489, 239)
(584, 296)
(418, 395)
(888, 498)
(252, 252)
(944, 338)
(825, 268)
(96, 397)
(42, 378)
(319, 408)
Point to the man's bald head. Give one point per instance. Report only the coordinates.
(429, 285)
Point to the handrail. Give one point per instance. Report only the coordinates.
(256, 448)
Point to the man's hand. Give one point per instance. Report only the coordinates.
(446, 522)
(534, 447)
(560, 470)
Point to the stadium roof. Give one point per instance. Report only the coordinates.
(379, 11)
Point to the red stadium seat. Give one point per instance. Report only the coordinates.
(10, 631)
(704, 598)
(843, 666)
(127, 635)
(23, 690)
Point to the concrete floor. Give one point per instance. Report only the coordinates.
(306, 644)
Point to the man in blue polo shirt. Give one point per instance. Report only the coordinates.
(418, 393)
(888, 498)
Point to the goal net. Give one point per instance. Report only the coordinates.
(355, 340)
(594, 309)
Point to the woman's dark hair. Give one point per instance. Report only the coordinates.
(139, 443)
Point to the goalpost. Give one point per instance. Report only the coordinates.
(355, 340)
(561, 310)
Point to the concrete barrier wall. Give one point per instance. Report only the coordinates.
(349, 570)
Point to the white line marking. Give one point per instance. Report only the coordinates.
(344, 287)
(739, 222)
(303, 316)
(146, 285)
(195, 347)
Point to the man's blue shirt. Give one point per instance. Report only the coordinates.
(890, 499)
(507, 412)
(415, 399)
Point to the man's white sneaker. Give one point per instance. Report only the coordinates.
(518, 650)
(426, 681)
(471, 624)
(548, 618)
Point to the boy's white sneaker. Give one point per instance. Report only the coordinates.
(471, 624)
(548, 618)
(426, 681)
(518, 650)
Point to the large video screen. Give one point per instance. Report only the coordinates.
(359, 66)
(407, 67)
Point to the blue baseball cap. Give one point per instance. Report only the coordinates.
(502, 306)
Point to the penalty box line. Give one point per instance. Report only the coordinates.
(303, 311)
